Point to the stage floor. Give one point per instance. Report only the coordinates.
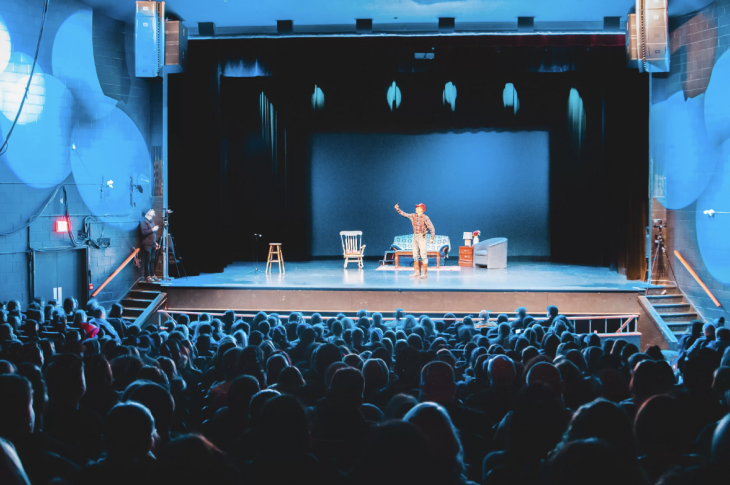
(330, 275)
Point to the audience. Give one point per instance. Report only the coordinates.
(357, 399)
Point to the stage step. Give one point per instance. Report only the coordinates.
(136, 303)
(675, 312)
(142, 295)
(661, 299)
(678, 328)
(678, 317)
(663, 290)
(664, 308)
(141, 302)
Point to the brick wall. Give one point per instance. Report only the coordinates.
(697, 40)
(113, 48)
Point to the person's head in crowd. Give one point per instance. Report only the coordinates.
(11, 469)
(375, 373)
(698, 371)
(721, 383)
(604, 420)
(154, 374)
(283, 429)
(634, 360)
(442, 438)
(230, 363)
(6, 332)
(64, 377)
(192, 459)
(529, 353)
(290, 380)
(649, 379)
(346, 389)
(721, 441)
(79, 318)
(125, 369)
(160, 404)
(655, 352)
(353, 360)
(547, 374)
(653, 435)
(257, 403)
(550, 345)
(437, 383)
(337, 329)
(415, 341)
(69, 305)
(628, 351)
(274, 365)
(129, 432)
(398, 454)
(17, 415)
(583, 458)
(242, 389)
(501, 371)
(708, 330)
(100, 313)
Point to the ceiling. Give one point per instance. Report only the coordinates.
(257, 13)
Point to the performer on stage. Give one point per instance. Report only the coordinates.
(421, 225)
(149, 246)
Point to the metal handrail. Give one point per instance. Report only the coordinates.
(697, 278)
(116, 272)
(491, 322)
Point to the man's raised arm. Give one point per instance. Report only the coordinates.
(404, 214)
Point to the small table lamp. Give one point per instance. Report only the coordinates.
(467, 238)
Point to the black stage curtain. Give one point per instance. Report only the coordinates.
(241, 120)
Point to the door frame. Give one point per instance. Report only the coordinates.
(81, 298)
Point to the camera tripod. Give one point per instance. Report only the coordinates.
(660, 261)
(168, 245)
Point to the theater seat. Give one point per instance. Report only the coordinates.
(491, 253)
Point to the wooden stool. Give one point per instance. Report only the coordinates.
(275, 250)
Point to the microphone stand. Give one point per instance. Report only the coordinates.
(255, 254)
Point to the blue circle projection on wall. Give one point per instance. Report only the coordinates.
(73, 62)
(112, 149)
(5, 45)
(13, 82)
(683, 153)
(713, 233)
(717, 101)
(38, 151)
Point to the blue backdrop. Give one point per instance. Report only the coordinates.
(496, 182)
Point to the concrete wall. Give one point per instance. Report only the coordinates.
(83, 94)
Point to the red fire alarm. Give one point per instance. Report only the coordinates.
(62, 225)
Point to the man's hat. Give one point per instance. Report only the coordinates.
(423, 206)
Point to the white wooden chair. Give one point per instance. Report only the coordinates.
(352, 247)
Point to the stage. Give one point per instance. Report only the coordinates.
(325, 286)
(330, 275)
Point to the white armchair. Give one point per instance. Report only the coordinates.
(491, 253)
